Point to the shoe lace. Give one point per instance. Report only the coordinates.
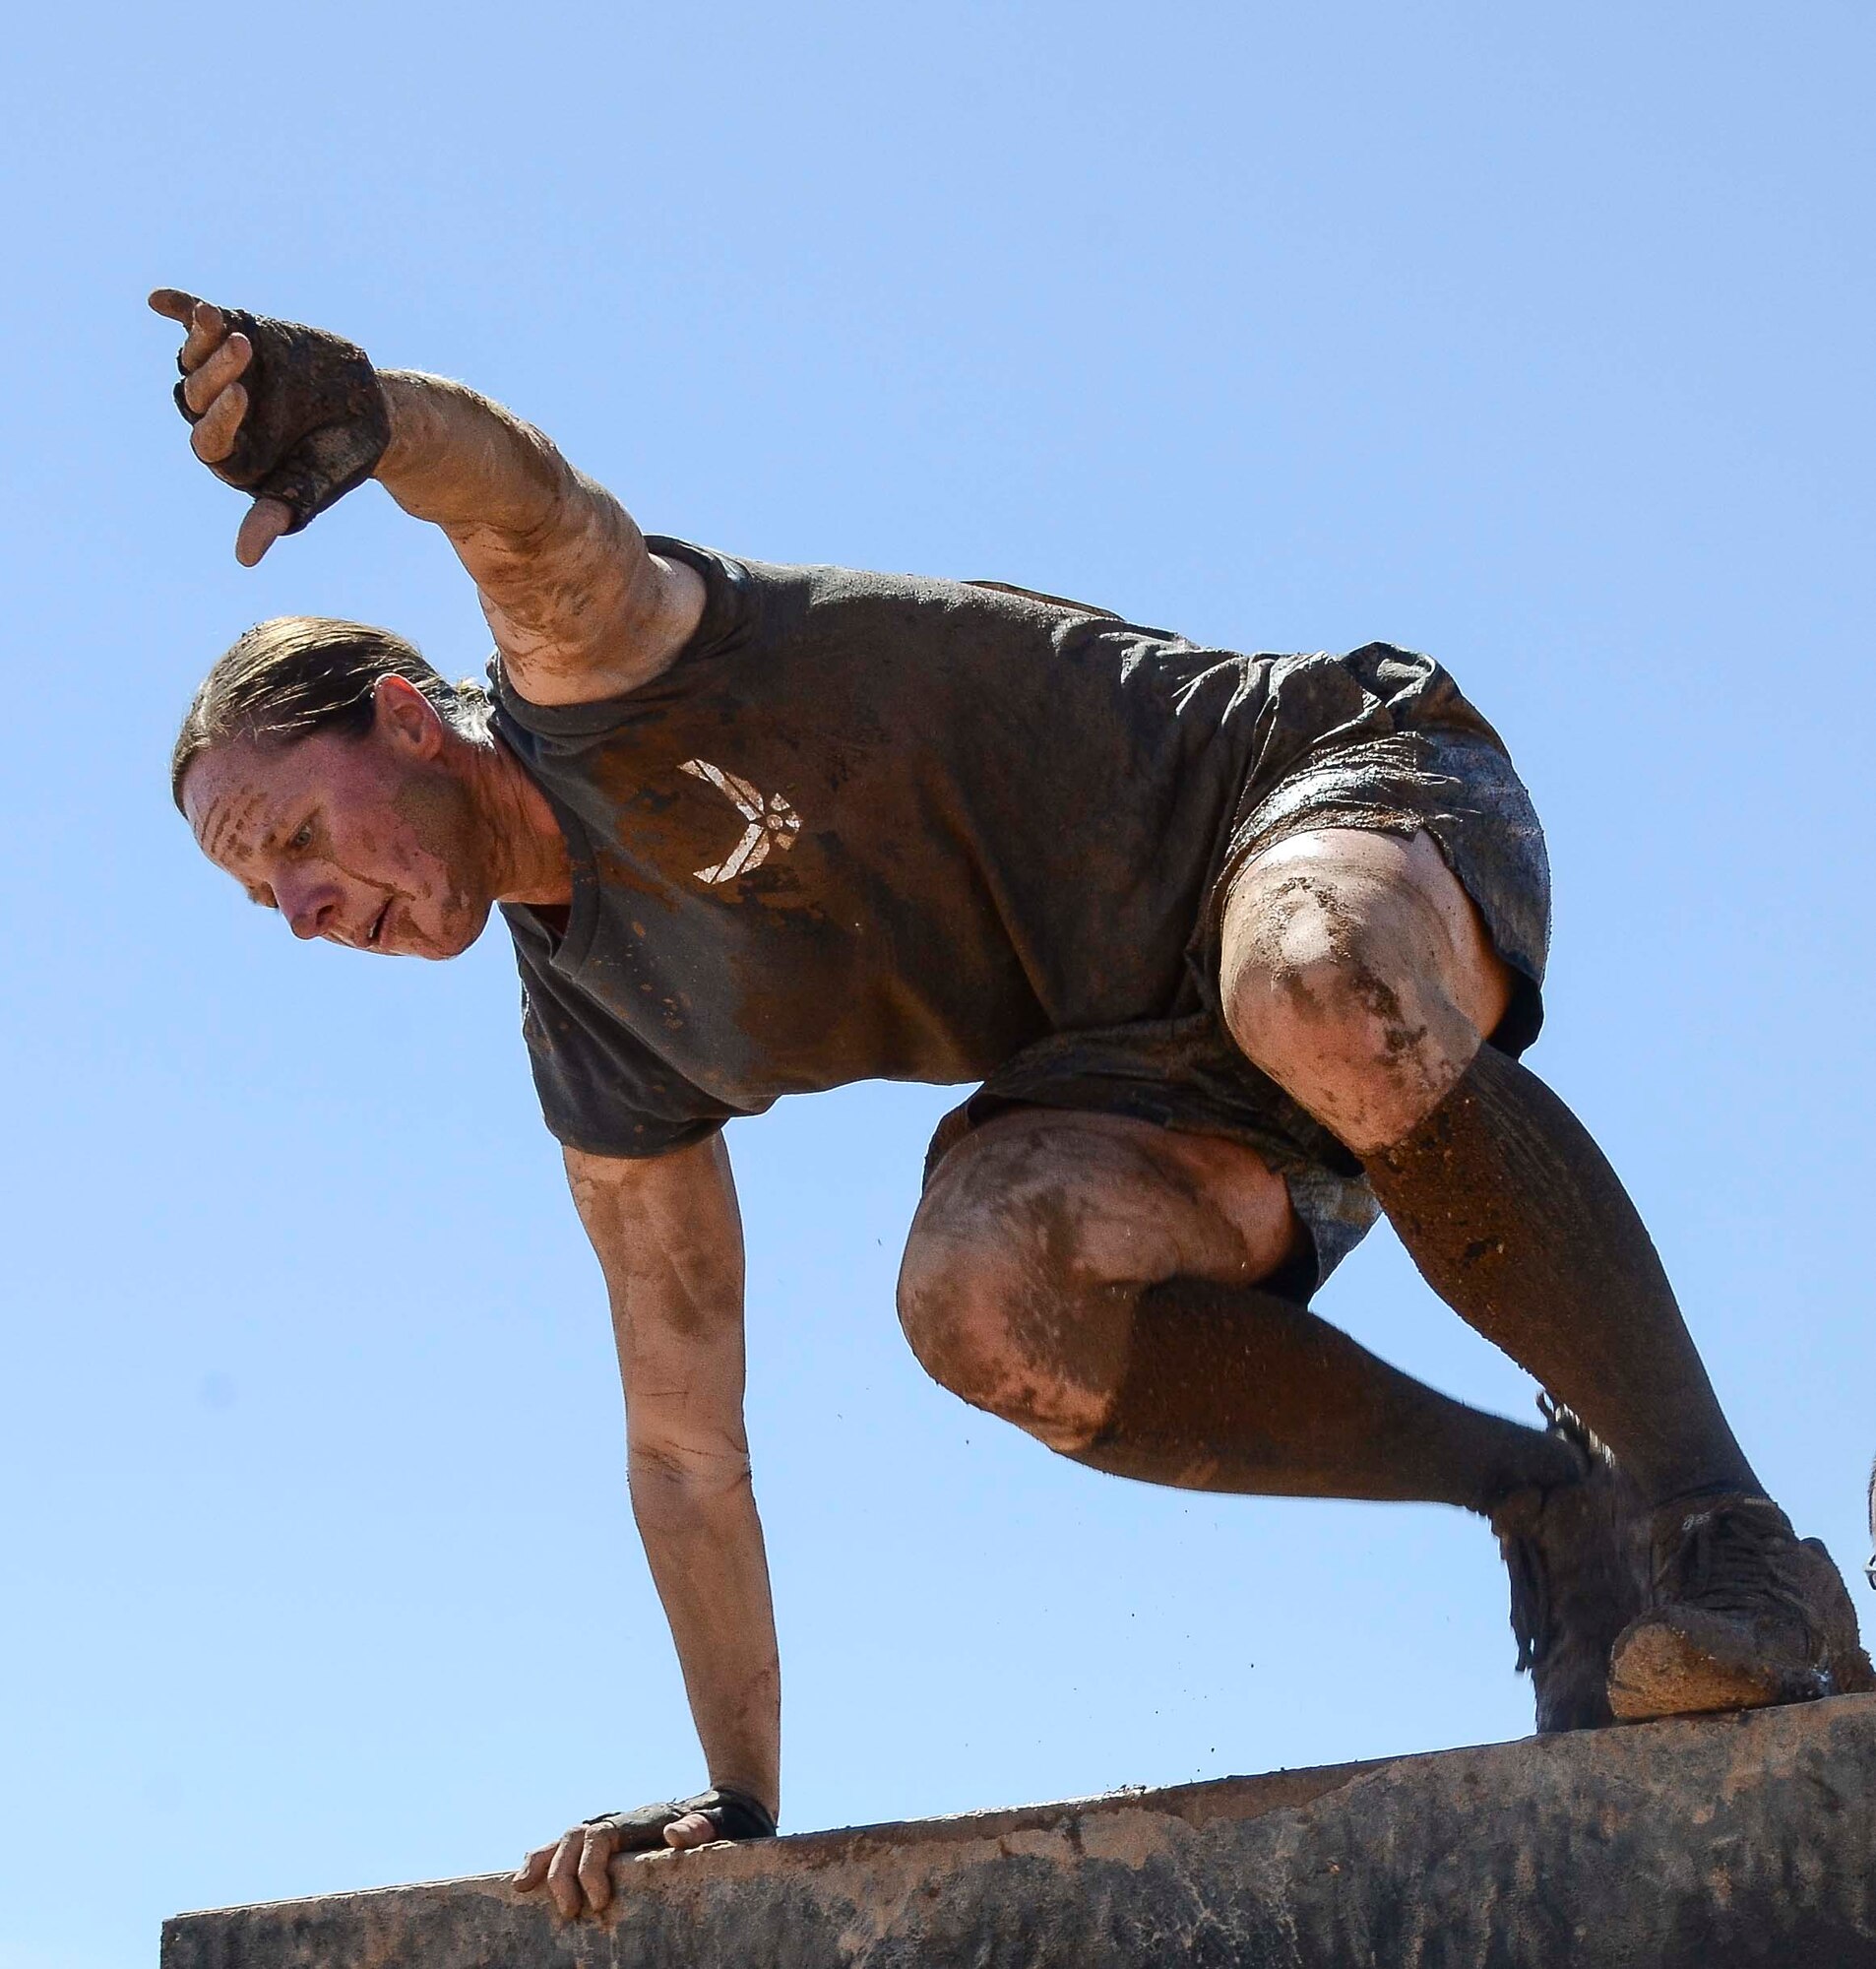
(1566, 1423)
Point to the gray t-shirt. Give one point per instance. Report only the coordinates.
(877, 827)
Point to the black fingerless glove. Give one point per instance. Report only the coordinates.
(316, 422)
(734, 1814)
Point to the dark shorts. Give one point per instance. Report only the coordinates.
(1441, 769)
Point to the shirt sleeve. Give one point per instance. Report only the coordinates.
(601, 1088)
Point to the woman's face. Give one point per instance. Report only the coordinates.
(369, 841)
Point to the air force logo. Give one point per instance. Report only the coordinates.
(770, 824)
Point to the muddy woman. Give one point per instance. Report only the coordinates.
(1235, 953)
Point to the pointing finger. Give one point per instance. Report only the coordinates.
(265, 522)
(173, 303)
(213, 436)
(218, 372)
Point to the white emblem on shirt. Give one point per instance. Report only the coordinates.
(772, 822)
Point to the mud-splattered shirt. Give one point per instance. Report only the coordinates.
(877, 827)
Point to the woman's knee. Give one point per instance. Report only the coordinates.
(988, 1327)
(1013, 1293)
(1036, 1236)
(1357, 974)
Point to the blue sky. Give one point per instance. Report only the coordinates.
(1538, 341)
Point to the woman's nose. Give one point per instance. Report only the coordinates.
(312, 910)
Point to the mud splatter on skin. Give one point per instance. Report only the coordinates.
(344, 837)
(1352, 980)
(1034, 1244)
(443, 825)
(1066, 1323)
(228, 824)
(1356, 981)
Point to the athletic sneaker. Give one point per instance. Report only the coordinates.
(1743, 1613)
(1572, 1584)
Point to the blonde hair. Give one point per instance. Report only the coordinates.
(286, 679)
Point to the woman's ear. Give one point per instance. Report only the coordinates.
(405, 719)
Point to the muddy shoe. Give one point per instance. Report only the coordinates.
(1743, 1613)
(1573, 1586)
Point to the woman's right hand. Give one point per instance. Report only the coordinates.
(293, 415)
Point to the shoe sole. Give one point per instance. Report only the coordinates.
(1657, 1672)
